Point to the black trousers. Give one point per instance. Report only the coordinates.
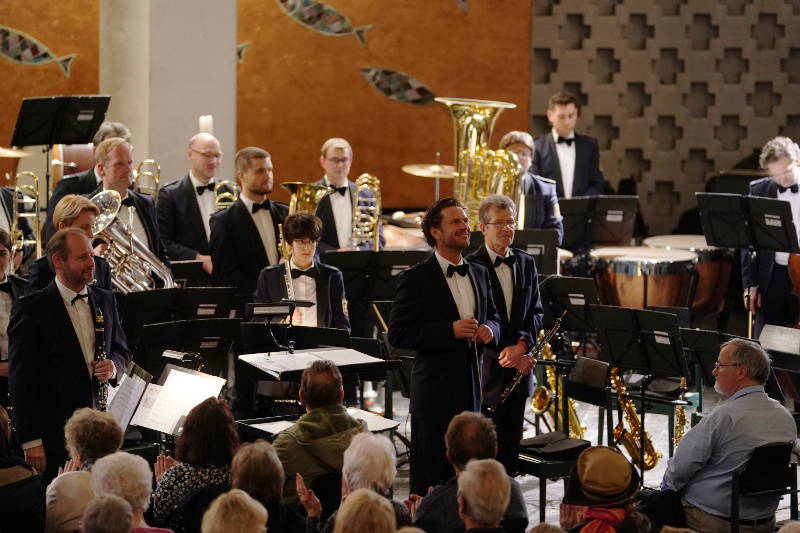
(429, 465)
(508, 420)
(779, 304)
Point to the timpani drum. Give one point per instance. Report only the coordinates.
(713, 269)
(563, 258)
(641, 276)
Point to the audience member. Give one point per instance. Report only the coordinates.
(21, 487)
(546, 528)
(129, 477)
(203, 456)
(89, 435)
(484, 490)
(365, 511)
(235, 512)
(107, 514)
(410, 529)
(790, 527)
(315, 444)
(469, 436)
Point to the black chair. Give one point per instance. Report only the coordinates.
(768, 472)
(328, 488)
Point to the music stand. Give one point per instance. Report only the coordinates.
(573, 295)
(258, 337)
(189, 273)
(605, 220)
(49, 120)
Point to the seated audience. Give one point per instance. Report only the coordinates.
(484, 490)
(723, 442)
(129, 477)
(21, 487)
(235, 512)
(315, 444)
(605, 483)
(107, 514)
(365, 511)
(89, 435)
(546, 528)
(790, 527)
(469, 436)
(203, 457)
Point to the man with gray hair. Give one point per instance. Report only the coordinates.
(765, 276)
(483, 495)
(724, 440)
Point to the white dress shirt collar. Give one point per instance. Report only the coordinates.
(68, 294)
(444, 263)
(556, 136)
(293, 266)
(196, 182)
(493, 254)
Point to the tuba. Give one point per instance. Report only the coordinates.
(632, 439)
(478, 170)
(148, 169)
(305, 198)
(225, 193)
(367, 212)
(133, 265)
(25, 206)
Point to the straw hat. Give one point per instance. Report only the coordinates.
(602, 477)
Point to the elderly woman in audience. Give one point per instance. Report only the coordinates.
(203, 457)
(235, 512)
(129, 477)
(483, 494)
(365, 511)
(89, 435)
(21, 488)
(107, 514)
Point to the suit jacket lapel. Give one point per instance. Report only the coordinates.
(193, 210)
(479, 303)
(323, 302)
(276, 220)
(497, 290)
(439, 284)
(556, 165)
(61, 322)
(325, 212)
(353, 199)
(244, 222)
(772, 189)
(580, 162)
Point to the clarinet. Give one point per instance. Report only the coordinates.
(100, 355)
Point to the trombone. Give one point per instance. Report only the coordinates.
(148, 169)
(25, 206)
(224, 197)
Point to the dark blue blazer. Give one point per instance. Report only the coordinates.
(19, 288)
(546, 215)
(48, 378)
(81, 183)
(524, 323)
(329, 240)
(40, 274)
(445, 376)
(331, 311)
(237, 250)
(758, 271)
(588, 176)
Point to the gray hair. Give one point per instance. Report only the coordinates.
(107, 514)
(513, 137)
(778, 148)
(369, 463)
(125, 475)
(234, 510)
(752, 357)
(495, 200)
(111, 129)
(485, 489)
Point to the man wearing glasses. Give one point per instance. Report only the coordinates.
(185, 205)
(765, 277)
(724, 440)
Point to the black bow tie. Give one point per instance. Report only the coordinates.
(461, 270)
(6, 286)
(565, 140)
(262, 205)
(340, 190)
(311, 273)
(128, 201)
(203, 188)
(78, 297)
(793, 188)
(507, 260)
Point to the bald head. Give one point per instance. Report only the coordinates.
(205, 156)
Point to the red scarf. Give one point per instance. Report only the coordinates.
(604, 520)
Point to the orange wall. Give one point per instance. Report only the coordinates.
(298, 87)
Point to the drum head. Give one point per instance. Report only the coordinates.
(694, 243)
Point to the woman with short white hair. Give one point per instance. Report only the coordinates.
(235, 512)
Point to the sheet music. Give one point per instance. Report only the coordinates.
(374, 422)
(274, 428)
(278, 362)
(126, 397)
(146, 405)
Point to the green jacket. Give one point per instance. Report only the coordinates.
(315, 445)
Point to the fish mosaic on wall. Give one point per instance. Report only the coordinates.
(463, 5)
(240, 50)
(21, 48)
(398, 85)
(323, 19)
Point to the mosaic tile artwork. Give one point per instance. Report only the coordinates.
(21, 48)
(323, 19)
(398, 85)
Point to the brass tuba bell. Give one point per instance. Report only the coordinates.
(305, 199)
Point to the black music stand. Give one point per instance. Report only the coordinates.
(50, 120)
(573, 295)
(189, 273)
(258, 337)
(604, 220)
(645, 341)
(542, 244)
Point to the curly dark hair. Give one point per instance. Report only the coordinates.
(209, 436)
(433, 217)
(302, 226)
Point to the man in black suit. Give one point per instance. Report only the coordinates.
(570, 159)
(11, 289)
(54, 365)
(515, 291)
(244, 236)
(114, 158)
(765, 277)
(185, 205)
(86, 181)
(443, 309)
(7, 222)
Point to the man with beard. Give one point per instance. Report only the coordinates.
(443, 310)
(53, 347)
(244, 236)
(724, 440)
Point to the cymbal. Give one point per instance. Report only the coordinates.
(14, 153)
(424, 170)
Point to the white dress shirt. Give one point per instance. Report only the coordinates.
(205, 202)
(266, 229)
(5, 314)
(80, 314)
(782, 258)
(305, 288)
(506, 276)
(342, 207)
(566, 162)
(460, 287)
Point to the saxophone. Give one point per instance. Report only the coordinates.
(631, 440)
(680, 415)
(543, 402)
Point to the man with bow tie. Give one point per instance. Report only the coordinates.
(185, 206)
(244, 236)
(444, 311)
(54, 348)
(765, 276)
(570, 159)
(515, 291)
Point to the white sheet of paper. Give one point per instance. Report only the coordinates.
(126, 397)
(146, 405)
(277, 362)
